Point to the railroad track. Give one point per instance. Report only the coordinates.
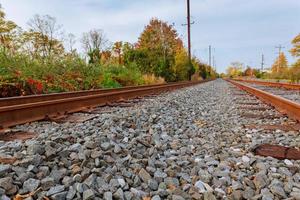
(283, 105)
(20, 110)
(103, 157)
(289, 86)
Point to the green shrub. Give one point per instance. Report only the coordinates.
(108, 82)
(67, 74)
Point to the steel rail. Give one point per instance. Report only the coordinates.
(39, 110)
(289, 86)
(10, 101)
(285, 106)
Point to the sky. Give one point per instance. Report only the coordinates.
(237, 30)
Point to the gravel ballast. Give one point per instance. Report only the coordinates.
(188, 144)
(293, 95)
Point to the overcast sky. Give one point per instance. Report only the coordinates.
(238, 30)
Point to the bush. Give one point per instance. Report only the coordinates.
(34, 76)
(125, 76)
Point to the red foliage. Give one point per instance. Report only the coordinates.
(35, 86)
(39, 87)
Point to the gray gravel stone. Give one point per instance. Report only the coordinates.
(55, 189)
(108, 196)
(153, 185)
(177, 197)
(88, 194)
(4, 169)
(105, 146)
(119, 194)
(6, 183)
(144, 175)
(59, 196)
(260, 181)
(31, 185)
(156, 197)
(47, 183)
(278, 191)
(71, 193)
(35, 149)
(248, 193)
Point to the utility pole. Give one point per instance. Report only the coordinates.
(279, 52)
(189, 23)
(262, 62)
(189, 30)
(209, 55)
(214, 64)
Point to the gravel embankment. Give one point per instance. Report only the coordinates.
(188, 144)
(293, 95)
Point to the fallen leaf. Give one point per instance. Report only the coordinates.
(8, 160)
(24, 196)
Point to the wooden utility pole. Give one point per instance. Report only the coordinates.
(189, 30)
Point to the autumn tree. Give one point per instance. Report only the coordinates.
(117, 50)
(295, 51)
(181, 71)
(157, 46)
(280, 67)
(93, 43)
(249, 71)
(44, 36)
(235, 69)
(128, 50)
(8, 33)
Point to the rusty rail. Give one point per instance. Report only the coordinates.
(289, 86)
(54, 96)
(285, 106)
(61, 104)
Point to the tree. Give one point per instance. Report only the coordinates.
(70, 42)
(249, 71)
(181, 62)
(235, 69)
(294, 72)
(93, 43)
(118, 51)
(128, 53)
(8, 33)
(157, 48)
(44, 34)
(39, 46)
(280, 67)
(295, 51)
(203, 70)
